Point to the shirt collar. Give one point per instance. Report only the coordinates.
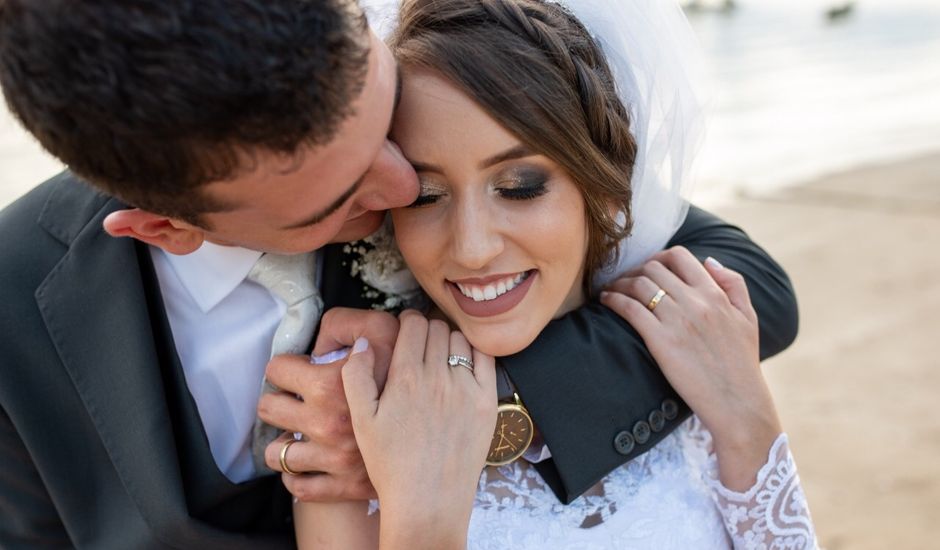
(212, 272)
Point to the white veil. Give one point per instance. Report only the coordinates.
(654, 58)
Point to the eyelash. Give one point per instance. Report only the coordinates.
(536, 187)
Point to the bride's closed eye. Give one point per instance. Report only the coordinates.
(523, 184)
(428, 193)
(518, 184)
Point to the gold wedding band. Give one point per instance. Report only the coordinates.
(460, 361)
(656, 299)
(284, 466)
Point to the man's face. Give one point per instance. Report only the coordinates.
(332, 193)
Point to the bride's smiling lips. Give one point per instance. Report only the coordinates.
(491, 295)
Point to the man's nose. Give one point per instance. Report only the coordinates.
(391, 181)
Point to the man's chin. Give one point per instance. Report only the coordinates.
(360, 227)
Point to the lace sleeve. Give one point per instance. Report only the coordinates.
(773, 513)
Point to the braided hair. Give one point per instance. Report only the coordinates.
(534, 68)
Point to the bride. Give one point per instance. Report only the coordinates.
(532, 138)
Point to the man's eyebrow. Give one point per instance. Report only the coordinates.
(338, 203)
(333, 207)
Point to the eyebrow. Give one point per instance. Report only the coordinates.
(338, 203)
(333, 207)
(513, 153)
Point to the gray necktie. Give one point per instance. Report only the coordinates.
(292, 279)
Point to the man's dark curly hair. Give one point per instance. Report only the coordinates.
(151, 99)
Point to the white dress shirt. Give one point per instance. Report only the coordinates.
(223, 326)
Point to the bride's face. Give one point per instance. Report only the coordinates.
(498, 234)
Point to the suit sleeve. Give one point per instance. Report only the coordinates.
(28, 518)
(593, 389)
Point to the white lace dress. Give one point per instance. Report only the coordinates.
(669, 498)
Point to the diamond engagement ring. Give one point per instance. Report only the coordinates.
(460, 361)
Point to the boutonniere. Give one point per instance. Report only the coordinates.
(377, 261)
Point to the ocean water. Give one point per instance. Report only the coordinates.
(795, 95)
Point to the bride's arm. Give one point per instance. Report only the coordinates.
(703, 333)
(335, 525)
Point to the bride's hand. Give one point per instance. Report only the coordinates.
(703, 334)
(424, 439)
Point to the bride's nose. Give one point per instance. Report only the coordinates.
(476, 238)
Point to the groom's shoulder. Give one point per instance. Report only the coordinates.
(37, 228)
(59, 206)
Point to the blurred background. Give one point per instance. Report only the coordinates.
(824, 144)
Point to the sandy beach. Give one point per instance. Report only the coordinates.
(855, 390)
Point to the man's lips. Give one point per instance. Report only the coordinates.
(491, 301)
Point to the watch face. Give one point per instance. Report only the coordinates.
(512, 436)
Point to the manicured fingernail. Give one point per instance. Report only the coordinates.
(604, 294)
(330, 357)
(361, 345)
(714, 263)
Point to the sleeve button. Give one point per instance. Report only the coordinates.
(670, 409)
(641, 432)
(623, 443)
(657, 421)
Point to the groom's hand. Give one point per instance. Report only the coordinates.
(328, 454)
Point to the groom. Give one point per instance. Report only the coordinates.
(209, 131)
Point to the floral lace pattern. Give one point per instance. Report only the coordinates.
(668, 498)
(773, 514)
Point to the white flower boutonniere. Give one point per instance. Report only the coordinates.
(377, 261)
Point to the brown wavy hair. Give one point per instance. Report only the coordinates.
(534, 68)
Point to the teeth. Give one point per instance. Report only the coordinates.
(492, 290)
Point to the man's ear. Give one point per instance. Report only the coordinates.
(172, 235)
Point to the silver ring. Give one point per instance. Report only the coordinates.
(460, 361)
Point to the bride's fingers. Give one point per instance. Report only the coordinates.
(635, 313)
(734, 286)
(412, 339)
(460, 346)
(438, 344)
(684, 265)
(362, 393)
(484, 369)
(666, 280)
(645, 291)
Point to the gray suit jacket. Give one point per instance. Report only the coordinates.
(86, 446)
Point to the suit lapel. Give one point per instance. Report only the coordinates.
(338, 287)
(94, 307)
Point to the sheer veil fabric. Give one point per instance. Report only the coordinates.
(655, 60)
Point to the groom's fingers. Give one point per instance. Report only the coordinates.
(329, 488)
(341, 327)
(326, 423)
(296, 374)
(307, 456)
